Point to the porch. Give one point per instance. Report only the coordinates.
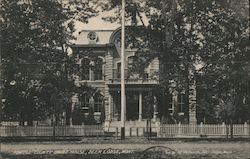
(141, 103)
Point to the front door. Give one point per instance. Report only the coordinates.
(132, 106)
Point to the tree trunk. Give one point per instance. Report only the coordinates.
(231, 129)
(169, 31)
(192, 96)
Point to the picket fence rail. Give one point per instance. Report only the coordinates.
(204, 130)
(46, 131)
(161, 130)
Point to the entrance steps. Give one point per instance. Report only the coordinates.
(132, 128)
(129, 124)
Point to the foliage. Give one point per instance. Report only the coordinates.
(79, 116)
(208, 39)
(225, 65)
(34, 41)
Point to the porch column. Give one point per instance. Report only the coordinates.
(140, 106)
(109, 103)
(74, 100)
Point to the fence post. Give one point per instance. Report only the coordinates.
(116, 129)
(144, 131)
(17, 131)
(179, 128)
(231, 129)
(246, 129)
(137, 132)
(201, 128)
(224, 131)
(158, 127)
(35, 131)
(54, 127)
(130, 132)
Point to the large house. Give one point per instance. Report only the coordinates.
(103, 73)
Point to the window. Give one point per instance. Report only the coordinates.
(181, 102)
(98, 69)
(145, 75)
(130, 60)
(84, 101)
(88, 73)
(171, 105)
(117, 103)
(98, 103)
(92, 36)
(85, 69)
(118, 71)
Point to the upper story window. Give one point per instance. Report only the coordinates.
(99, 69)
(92, 70)
(130, 71)
(130, 60)
(85, 69)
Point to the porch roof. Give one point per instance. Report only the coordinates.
(133, 84)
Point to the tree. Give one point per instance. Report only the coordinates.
(225, 66)
(88, 92)
(191, 39)
(34, 40)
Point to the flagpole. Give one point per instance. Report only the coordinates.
(123, 97)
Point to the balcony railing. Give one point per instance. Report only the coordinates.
(134, 81)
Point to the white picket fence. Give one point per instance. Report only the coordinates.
(219, 130)
(166, 130)
(28, 131)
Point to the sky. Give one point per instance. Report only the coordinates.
(96, 23)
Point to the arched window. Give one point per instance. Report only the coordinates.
(92, 70)
(98, 103)
(84, 100)
(98, 72)
(85, 69)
